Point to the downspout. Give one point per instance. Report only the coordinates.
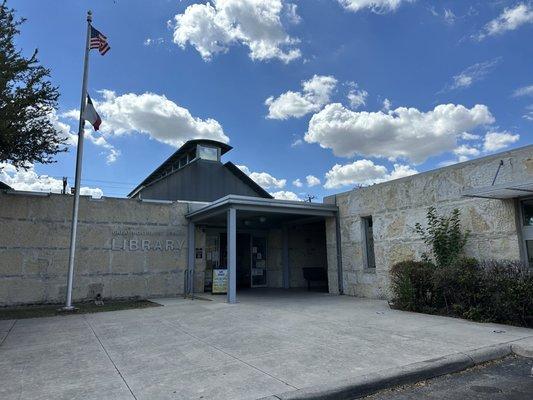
(339, 249)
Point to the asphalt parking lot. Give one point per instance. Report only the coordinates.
(507, 379)
(271, 342)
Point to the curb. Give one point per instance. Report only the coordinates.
(523, 347)
(365, 385)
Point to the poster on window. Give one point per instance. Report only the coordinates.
(220, 281)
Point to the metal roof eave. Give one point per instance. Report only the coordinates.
(262, 205)
(510, 190)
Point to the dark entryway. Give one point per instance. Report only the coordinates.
(244, 258)
(250, 224)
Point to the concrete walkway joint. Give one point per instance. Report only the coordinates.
(283, 344)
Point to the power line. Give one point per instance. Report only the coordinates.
(97, 180)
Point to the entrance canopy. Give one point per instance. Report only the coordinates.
(260, 205)
(242, 212)
(502, 191)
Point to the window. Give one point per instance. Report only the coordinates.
(527, 211)
(527, 230)
(208, 153)
(368, 239)
(529, 251)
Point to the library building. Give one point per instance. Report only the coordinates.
(198, 224)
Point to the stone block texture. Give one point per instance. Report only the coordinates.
(396, 206)
(125, 248)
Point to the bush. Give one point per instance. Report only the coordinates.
(444, 236)
(506, 293)
(489, 291)
(412, 285)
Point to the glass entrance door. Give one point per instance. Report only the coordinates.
(259, 262)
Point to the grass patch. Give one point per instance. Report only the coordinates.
(50, 310)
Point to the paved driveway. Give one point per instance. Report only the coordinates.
(271, 342)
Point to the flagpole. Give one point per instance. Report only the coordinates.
(79, 157)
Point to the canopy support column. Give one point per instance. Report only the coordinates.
(285, 258)
(232, 255)
(189, 290)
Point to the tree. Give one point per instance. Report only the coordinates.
(27, 98)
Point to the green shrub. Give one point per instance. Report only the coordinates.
(444, 236)
(412, 285)
(456, 285)
(489, 291)
(506, 292)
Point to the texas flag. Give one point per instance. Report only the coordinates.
(90, 114)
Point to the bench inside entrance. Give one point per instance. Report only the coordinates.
(315, 274)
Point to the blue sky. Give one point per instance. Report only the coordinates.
(345, 92)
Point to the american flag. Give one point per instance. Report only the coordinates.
(99, 41)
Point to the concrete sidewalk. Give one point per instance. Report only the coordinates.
(271, 342)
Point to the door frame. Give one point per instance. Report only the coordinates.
(253, 233)
(263, 235)
(525, 232)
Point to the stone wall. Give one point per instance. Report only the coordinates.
(396, 207)
(126, 248)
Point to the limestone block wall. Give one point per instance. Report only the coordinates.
(331, 255)
(396, 207)
(126, 248)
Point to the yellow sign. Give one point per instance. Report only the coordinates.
(220, 281)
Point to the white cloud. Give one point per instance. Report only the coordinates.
(473, 73)
(495, 141)
(263, 179)
(297, 142)
(357, 97)
(297, 183)
(377, 6)
(213, 27)
(386, 105)
(316, 92)
(509, 20)
(153, 115)
(64, 129)
(364, 172)
(465, 152)
(286, 195)
(449, 16)
(94, 137)
(101, 141)
(312, 180)
(406, 133)
(28, 180)
(152, 42)
(523, 91)
(469, 136)
(292, 14)
(400, 171)
(529, 113)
